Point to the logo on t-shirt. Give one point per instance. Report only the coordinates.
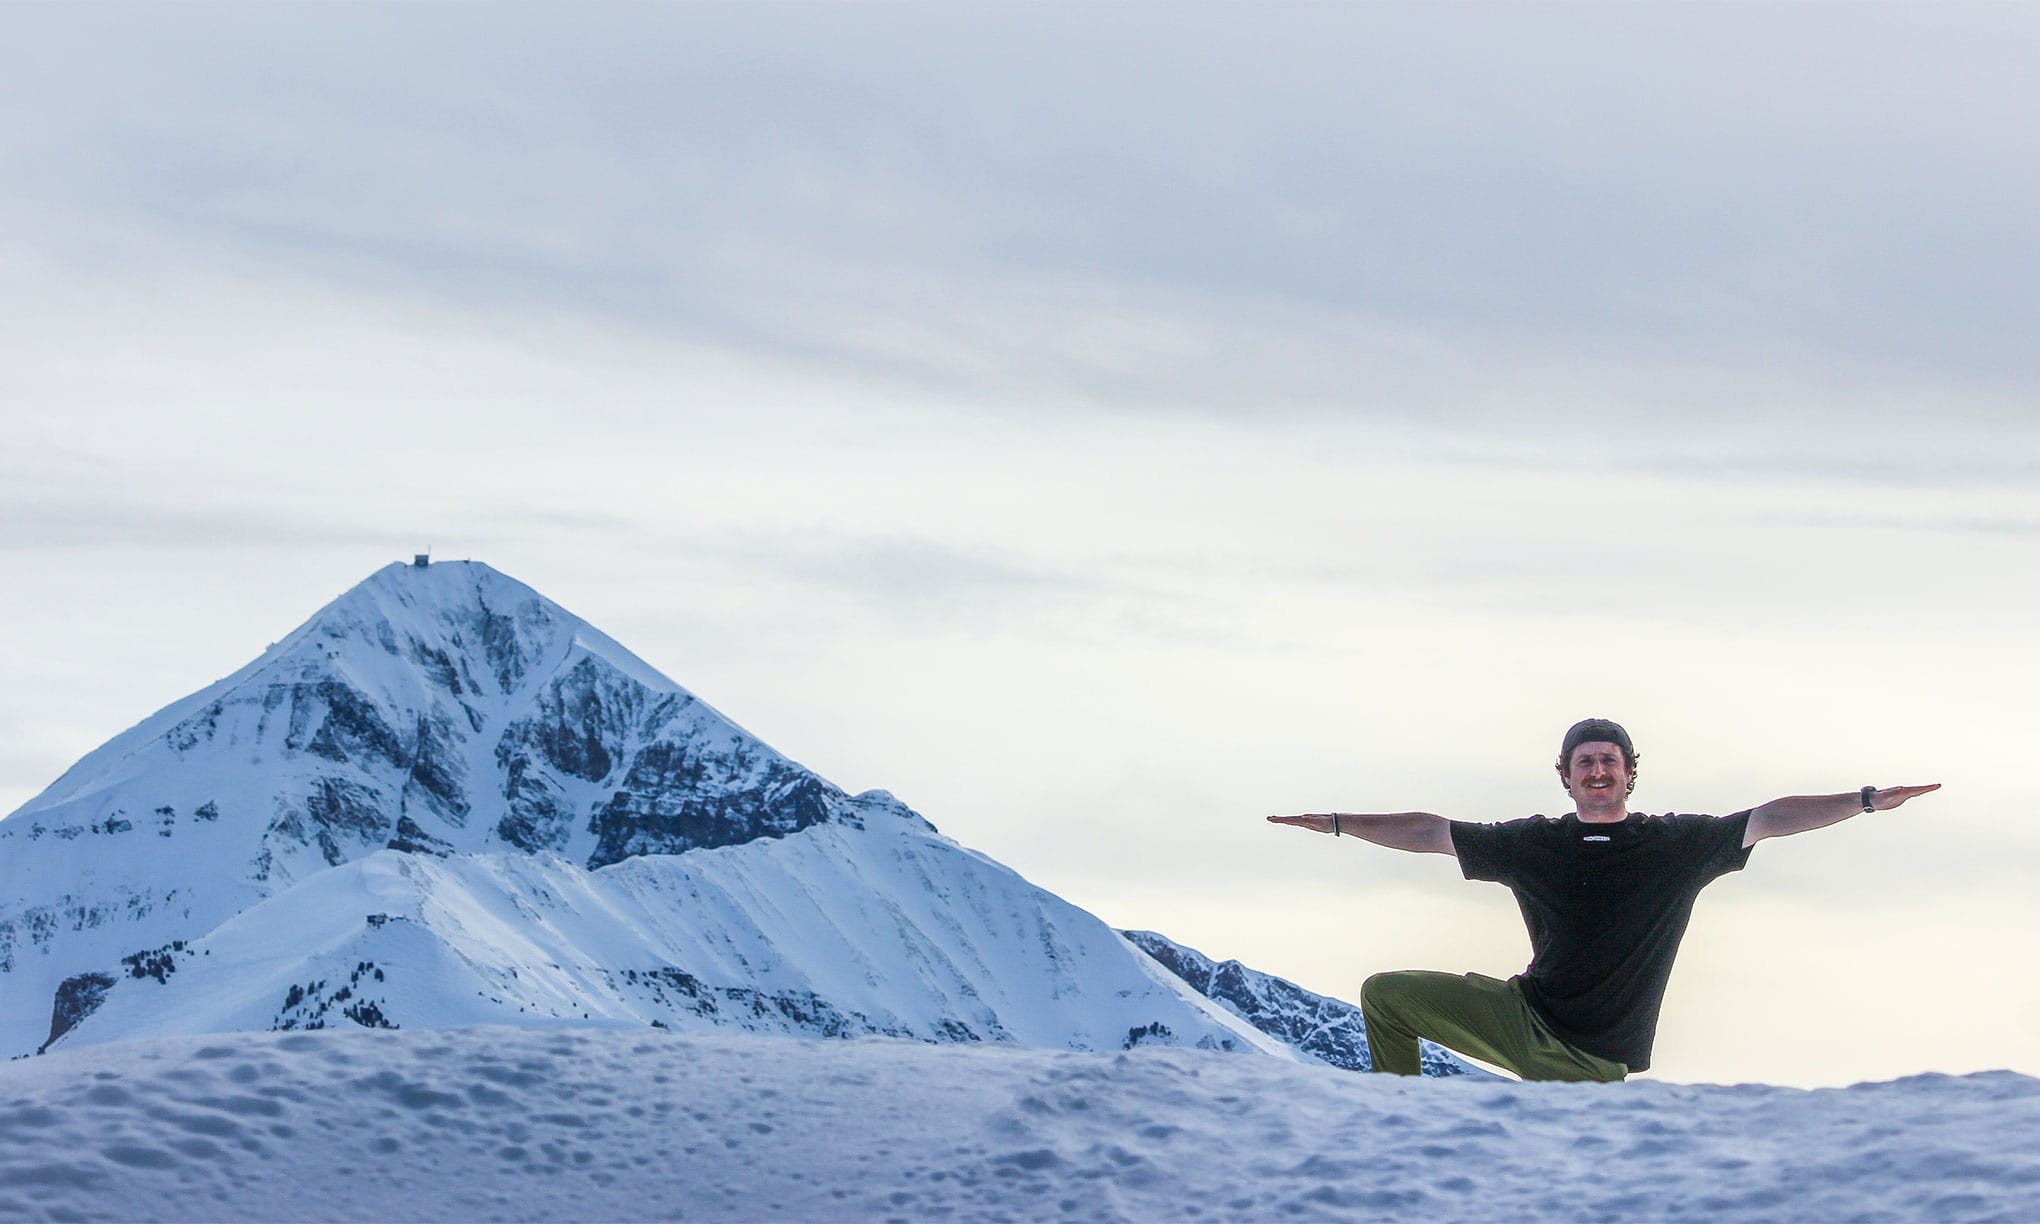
(1597, 837)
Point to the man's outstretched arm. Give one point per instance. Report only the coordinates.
(1798, 813)
(1417, 832)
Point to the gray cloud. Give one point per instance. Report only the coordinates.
(44, 523)
(1728, 244)
(2014, 527)
(909, 580)
(1714, 182)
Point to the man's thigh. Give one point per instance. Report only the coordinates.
(1483, 1018)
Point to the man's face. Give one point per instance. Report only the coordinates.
(1597, 776)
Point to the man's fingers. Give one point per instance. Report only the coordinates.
(1899, 794)
(1302, 822)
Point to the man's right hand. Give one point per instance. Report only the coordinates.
(1317, 822)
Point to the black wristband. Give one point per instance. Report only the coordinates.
(1335, 824)
(1869, 793)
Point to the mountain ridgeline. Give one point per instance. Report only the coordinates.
(444, 800)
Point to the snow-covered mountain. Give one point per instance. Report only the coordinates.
(1325, 1028)
(445, 801)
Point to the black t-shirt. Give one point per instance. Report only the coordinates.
(1606, 905)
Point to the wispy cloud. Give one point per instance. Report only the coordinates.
(1551, 177)
(2013, 527)
(44, 523)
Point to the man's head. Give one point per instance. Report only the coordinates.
(1595, 756)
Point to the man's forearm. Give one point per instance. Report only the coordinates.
(1417, 832)
(1798, 813)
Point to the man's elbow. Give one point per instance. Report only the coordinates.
(1763, 825)
(1437, 839)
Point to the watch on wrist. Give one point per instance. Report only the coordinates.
(1869, 793)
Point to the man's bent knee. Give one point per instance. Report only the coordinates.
(1384, 991)
(1379, 984)
(1391, 1041)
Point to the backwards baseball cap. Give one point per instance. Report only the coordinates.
(1595, 731)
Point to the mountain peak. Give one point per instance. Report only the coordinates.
(444, 799)
(402, 592)
(405, 638)
(443, 709)
(470, 603)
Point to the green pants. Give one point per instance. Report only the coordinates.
(1474, 1015)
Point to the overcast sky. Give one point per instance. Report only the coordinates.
(1106, 425)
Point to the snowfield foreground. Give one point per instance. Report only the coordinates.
(637, 1124)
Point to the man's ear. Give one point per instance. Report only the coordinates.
(1564, 783)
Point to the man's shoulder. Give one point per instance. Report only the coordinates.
(1522, 824)
(1523, 829)
(1498, 851)
(1702, 832)
(1690, 820)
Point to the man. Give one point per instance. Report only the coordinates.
(1606, 893)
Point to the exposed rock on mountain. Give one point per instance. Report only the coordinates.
(1322, 1027)
(445, 800)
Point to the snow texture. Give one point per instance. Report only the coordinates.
(634, 1124)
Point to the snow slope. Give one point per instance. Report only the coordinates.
(445, 800)
(634, 1124)
(838, 931)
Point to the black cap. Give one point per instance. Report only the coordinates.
(1595, 731)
